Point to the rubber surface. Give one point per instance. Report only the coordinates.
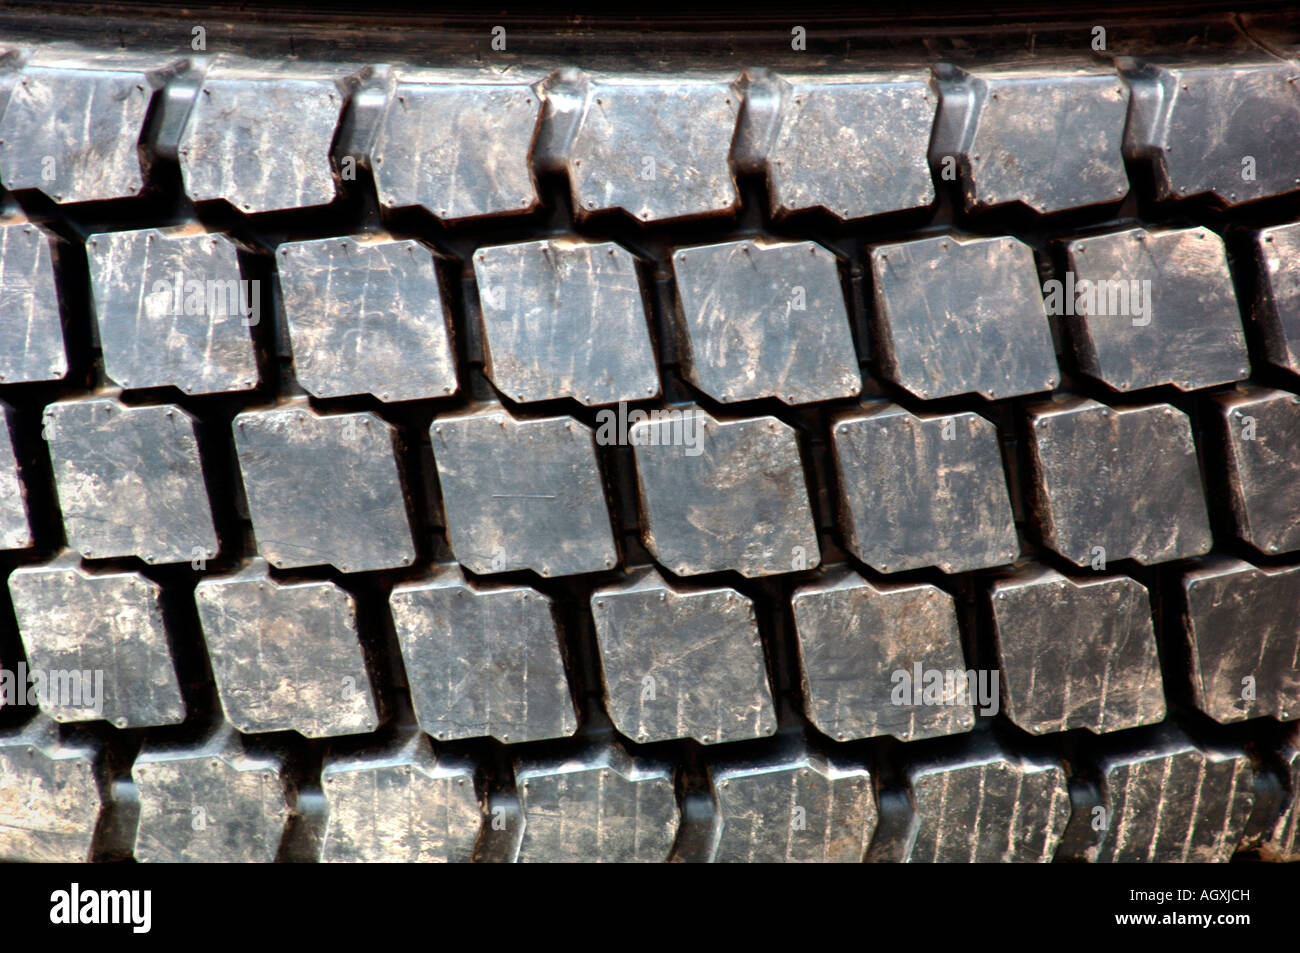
(554, 459)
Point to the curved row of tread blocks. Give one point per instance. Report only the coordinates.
(758, 318)
(173, 309)
(677, 661)
(459, 142)
(1166, 799)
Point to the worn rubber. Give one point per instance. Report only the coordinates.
(603, 439)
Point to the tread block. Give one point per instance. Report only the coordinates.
(458, 149)
(828, 152)
(1282, 842)
(923, 491)
(805, 809)
(1187, 330)
(366, 315)
(190, 328)
(1277, 310)
(260, 138)
(482, 660)
(1093, 470)
(286, 656)
(991, 810)
(522, 494)
(765, 319)
(1261, 431)
(1174, 803)
(130, 481)
(49, 800)
(1241, 623)
(31, 336)
(399, 806)
(855, 636)
(101, 636)
(1076, 653)
(351, 512)
(600, 807)
(565, 318)
(658, 150)
(209, 804)
(1051, 139)
(723, 494)
(681, 663)
(1197, 123)
(72, 129)
(957, 316)
(15, 524)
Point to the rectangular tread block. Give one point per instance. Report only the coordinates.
(990, 808)
(1076, 652)
(259, 135)
(31, 335)
(852, 144)
(1049, 137)
(15, 522)
(286, 656)
(49, 797)
(73, 125)
(458, 143)
(681, 663)
(324, 489)
(1242, 623)
(854, 639)
(923, 491)
(1277, 308)
(765, 319)
(366, 315)
(962, 315)
(482, 661)
(658, 149)
(1174, 803)
(130, 480)
(1094, 469)
(173, 309)
(1282, 842)
(602, 807)
(400, 805)
(564, 317)
(1194, 123)
(213, 802)
(723, 494)
(1260, 429)
(522, 494)
(1181, 325)
(800, 808)
(107, 630)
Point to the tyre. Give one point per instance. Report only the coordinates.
(556, 452)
